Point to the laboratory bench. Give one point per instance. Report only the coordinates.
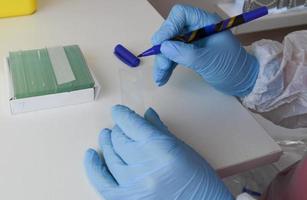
(42, 152)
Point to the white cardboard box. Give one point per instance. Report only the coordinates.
(51, 100)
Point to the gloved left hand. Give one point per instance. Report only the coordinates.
(144, 161)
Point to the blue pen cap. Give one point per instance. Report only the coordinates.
(254, 14)
(126, 56)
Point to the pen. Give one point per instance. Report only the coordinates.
(212, 29)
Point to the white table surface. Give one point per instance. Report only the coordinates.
(42, 152)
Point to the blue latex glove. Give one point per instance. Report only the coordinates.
(144, 161)
(219, 59)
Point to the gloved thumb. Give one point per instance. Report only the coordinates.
(179, 52)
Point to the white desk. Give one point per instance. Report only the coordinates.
(42, 152)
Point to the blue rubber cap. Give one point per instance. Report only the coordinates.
(126, 56)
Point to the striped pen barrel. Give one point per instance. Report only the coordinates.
(212, 29)
(222, 26)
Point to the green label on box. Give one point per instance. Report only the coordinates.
(34, 74)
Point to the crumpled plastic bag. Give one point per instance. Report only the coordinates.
(280, 92)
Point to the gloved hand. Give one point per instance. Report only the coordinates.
(219, 59)
(144, 161)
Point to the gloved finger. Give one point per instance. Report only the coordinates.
(97, 171)
(163, 69)
(152, 116)
(120, 140)
(127, 149)
(133, 125)
(112, 159)
(182, 18)
(182, 53)
(134, 153)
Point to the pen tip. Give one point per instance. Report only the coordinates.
(139, 56)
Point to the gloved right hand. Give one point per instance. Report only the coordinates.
(143, 160)
(219, 59)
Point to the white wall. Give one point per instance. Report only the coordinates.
(163, 6)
